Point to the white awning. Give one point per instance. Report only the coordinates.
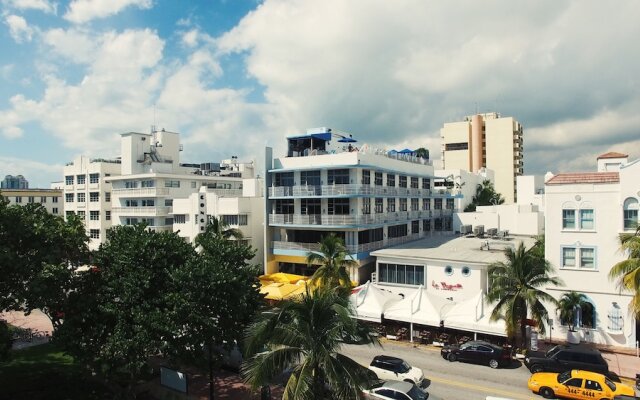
(370, 301)
(474, 315)
(420, 308)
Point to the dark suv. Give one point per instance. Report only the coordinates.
(565, 358)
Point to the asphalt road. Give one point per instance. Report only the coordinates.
(453, 381)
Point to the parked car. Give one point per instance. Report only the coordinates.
(479, 352)
(563, 358)
(396, 390)
(582, 385)
(392, 368)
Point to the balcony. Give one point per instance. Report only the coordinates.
(348, 190)
(344, 220)
(141, 211)
(161, 228)
(140, 192)
(352, 249)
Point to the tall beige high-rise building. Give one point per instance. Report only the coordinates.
(485, 141)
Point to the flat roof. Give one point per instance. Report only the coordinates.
(453, 248)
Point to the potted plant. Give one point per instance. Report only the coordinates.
(568, 308)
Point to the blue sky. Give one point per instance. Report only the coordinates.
(234, 75)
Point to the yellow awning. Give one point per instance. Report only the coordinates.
(282, 277)
(278, 291)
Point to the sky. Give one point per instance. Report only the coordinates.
(235, 75)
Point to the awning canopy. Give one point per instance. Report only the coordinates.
(474, 315)
(420, 308)
(282, 277)
(370, 302)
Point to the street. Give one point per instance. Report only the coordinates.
(452, 381)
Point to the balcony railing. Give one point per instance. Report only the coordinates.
(360, 248)
(162, 228)
(362, 219)
(134, 192)
(141, 211)
(350, 190)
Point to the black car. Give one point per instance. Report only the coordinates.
(478, 352)
(563, 358)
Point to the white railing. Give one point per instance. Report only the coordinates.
(161, 228)
(280, 245)
(152, 191)
(135, 211)
(362, 219)
(352, 190)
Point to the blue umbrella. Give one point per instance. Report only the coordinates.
(347, 140)
(406, 151)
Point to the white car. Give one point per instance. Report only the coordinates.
(396, 390)
(389, 368)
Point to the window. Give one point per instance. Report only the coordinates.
(338, 176)
(107, 215)
(94, 233)
(366, 205)
(171, 184)
(68, 197)
(19, 199)
(580, 257)
(449, 204)
(574, 382)
(94, 178)
(630, 213)
(81, 179)
(403, 181)
(94, 197)
(130, 221)
(230, 219)
(592, 385)
(378, 205)
(148, 202)
(54, 199)
(426, 183)
(466, 271)
(179, 219)
(568, 257)
(68, 180)
(284, 206)
(400, 273)
(338, 206)
(415, 205)
(310, 178)
(81, 215)
(69, 214)
(397, 231)
(391, 180)
(378, 179)
(586, 219)
(456, 146)
(415, 227)
(587, 259)
(437, 204)
(30, 199)
(426, 225)
(168, 202)
(284, 179)
(426, 204)
(366, 177)
(370, 235)
(107, 197)
(568, 219)
(94, 215)
(193, 184)
(310, 206)
(43, 199)
(81, 197)
(131, 203)
(242, 219)
(54, 210)
(403, 204)
(391, 205)
(131, 184)
(414, 182)
(448, 270)
(149, 183)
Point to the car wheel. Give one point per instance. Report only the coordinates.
(546, 392)
(536, 368)
(493, 363)
(452, 357)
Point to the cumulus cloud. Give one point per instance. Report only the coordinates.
(41, 5)
(81, 11)
(19, 30)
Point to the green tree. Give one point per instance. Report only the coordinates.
(333, 259)
(568, 307)
(218, 227)
(303, 336)
(123, 310)
(486, 195)
(5, 341)
(39, 254)
(627, 272)
(516, 288)
(422, 153)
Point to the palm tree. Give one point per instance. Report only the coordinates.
(303, 336)
(627, 272)
(516, 287)
(422, 153)
(568, 305)
(219, 227)
(334, 259)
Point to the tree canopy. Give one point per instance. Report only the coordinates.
(486, 195)
(627, 272)
(333, 259)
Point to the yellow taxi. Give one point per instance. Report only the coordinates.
(577, 384)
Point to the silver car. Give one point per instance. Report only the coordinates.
(394, 390)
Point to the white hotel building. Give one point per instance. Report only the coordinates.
(369, 198)
(585, 214)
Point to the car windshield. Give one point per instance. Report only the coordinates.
(552, 351)
(404, 367)
(417, 394)
(609, 383)
(563, 377)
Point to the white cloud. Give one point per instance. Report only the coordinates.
(190, 38)
(18, 28)
(81, 11)
(39, 174)
(41, 5)
(12, 132)
(73, 44)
